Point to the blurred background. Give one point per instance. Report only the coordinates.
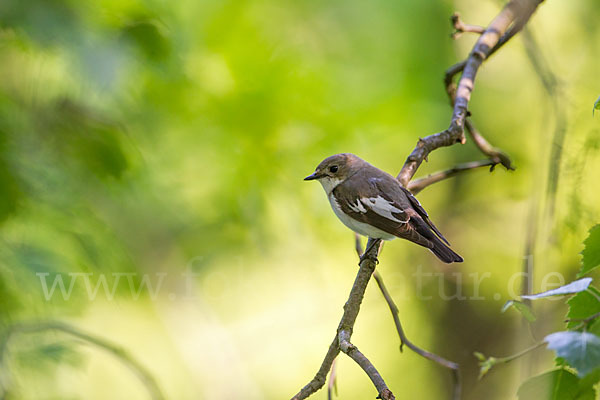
(151, 194)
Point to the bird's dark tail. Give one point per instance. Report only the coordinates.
(444, 252)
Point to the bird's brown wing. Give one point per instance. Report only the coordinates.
(380, 201)
(422, 213)
(392, 213)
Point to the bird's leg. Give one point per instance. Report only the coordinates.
(371, 243)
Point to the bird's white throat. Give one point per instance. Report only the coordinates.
(329, 183)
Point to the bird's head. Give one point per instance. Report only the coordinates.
(335, 169)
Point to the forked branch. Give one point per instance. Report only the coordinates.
(341, 342)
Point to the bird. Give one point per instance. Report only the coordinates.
(373, 203)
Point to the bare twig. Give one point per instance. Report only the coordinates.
(416, 185)
(460, 27)
(319, 380)
(457, 68)
(495, 154)
(142, 373)
(449, 75)
(550, 84)
(511, 20)
(355, 354)
(487, 363)
(552, 87)
(454, 367)
(332, 385)
(345, 329)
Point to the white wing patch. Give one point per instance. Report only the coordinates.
(383, 207)
(358, 207)
(357, 226)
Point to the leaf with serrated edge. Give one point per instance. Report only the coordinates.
(570, 288)
(580, 349)
(591, 251)
(582, 306)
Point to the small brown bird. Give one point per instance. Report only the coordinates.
(373, 203)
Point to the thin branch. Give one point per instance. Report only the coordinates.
(500, 360)
(449, 75)
(459, 67)
(551, 84)
(417, 185)
(319, 380)
(494, 153)
(509, 21)
(332, 386)
(487, 363)
(460, 27)
(355, 354)
(516, 12)
(345, 329)
(403, 339)
(351, 309)
(454, 367)
(530, 241)
(142, 373)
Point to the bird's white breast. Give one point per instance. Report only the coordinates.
(357, 226)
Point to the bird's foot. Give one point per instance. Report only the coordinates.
(367, 254)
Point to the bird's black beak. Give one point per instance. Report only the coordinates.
(312, 176)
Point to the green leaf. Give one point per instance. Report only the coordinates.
(523, 308)
(596, 106)
(570, 288)
(580, 349)
(583, 305)
(591, 251)
(590, 379)
(559, 384)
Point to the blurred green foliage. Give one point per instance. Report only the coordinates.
(148, 137)
(577, 349)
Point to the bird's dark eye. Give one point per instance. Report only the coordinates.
(333, 169)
